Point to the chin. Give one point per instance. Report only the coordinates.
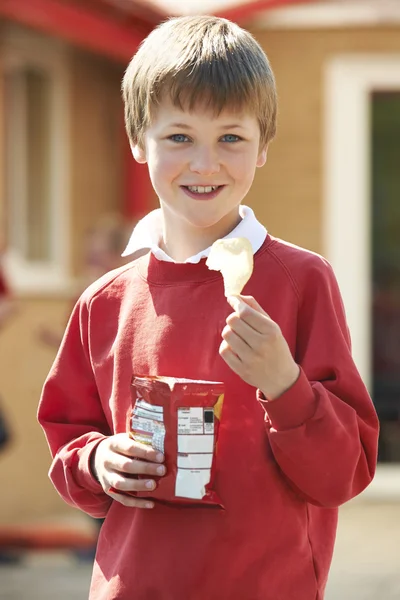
(209, 217)
(203, 223)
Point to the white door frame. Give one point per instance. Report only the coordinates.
(349, 81)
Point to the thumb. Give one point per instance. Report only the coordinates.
(237, 302)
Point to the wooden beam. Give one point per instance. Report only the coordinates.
(80, 26)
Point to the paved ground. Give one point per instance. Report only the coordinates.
(366, 564)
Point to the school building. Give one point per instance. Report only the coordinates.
(331, 183)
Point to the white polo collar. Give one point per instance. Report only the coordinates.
(148, 232)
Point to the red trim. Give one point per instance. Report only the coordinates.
(154, 13)
(77, 25)
(147, 10)
(248, 10)
(138, 190)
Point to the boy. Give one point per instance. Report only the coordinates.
(298, 434)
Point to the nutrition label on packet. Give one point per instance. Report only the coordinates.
(195, 451)
(147, 424)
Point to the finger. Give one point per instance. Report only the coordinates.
(133, 466)
(120, 483)
(130, 501)
(239, 346)
(123, 444)
(238, 301)
(230, 357)
(259, 321)
(143, 452)
(235, 302)
(251, 301)
(249, 335)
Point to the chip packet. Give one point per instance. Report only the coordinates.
(180, 418)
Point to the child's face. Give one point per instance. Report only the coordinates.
(185, 149)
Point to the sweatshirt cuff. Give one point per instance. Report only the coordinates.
(296, 406)
(85, 477)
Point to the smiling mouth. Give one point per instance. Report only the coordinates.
(201, 189)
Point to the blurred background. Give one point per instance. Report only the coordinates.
(70, 194)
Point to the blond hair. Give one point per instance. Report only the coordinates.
(194, 60)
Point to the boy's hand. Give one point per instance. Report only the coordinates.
(118, 459)
(253, 346)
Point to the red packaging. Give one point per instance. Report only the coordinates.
(179, 417)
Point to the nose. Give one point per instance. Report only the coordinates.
(204, 161)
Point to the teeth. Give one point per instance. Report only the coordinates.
(199, 189)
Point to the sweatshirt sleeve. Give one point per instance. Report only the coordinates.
(71, 415)
(324, 430)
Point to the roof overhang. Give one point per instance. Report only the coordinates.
(115, 28)
(235, 10)
(79, 24)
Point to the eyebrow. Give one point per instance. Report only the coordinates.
(185, 126)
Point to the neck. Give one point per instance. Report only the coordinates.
(183, 240)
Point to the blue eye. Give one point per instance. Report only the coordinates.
(230, 138)
(179, 138)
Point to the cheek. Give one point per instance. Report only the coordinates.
(164, 168)
(242, 167)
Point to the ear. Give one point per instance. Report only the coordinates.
(262, 157)
(139, 154)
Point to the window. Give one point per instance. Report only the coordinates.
(36, 166)
(385, 225)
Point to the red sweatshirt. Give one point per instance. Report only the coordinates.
(283, 467)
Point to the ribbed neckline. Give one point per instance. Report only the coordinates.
(160, 272)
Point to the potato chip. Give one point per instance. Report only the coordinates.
(234, 258)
